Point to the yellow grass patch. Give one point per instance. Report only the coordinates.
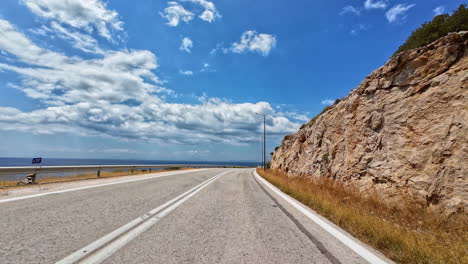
(404, 231)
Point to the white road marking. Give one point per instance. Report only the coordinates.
(93, 186)
(106, 246)
(356, 247)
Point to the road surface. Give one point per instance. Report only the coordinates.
(200, 216)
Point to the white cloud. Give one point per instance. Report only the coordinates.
(80, 41)
(370, 4)
(115, 150)
(296, 116)
(327, 102)
(210, 13)
(17, 44)
(206, 67)
(186, 44)
(83, 14)
(41, 31)
(350, 10)
(187, 72)
(251, 41)
(175, 12)
(118, 95)
(397, 12)
(219, 47)
(118, 76)
(439, 10)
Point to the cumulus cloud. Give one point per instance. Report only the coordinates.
(187, 72)
(327, 102)
(251, 41)
(350, 10)
(174, 13)
(397, 12)
(210, 13)
(370, 4)
(118, 95)
(118, 76)
(88, 15)
(439, 10)
(186, 44)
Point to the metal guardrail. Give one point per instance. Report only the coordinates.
(97, 168)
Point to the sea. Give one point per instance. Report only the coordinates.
(13, 162)
(18, 162)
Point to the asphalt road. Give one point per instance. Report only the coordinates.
(210, 216)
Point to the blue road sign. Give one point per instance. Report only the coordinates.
(36, 160)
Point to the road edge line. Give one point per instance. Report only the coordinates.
(93, 186)
(343, 238)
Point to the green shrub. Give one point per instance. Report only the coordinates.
(439, 27)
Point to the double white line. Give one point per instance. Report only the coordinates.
(106, 246)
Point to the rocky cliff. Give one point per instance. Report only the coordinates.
(402, 131)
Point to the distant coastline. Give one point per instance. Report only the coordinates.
(12, 161)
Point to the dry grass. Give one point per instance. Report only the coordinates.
(405, 231)
(83, 176)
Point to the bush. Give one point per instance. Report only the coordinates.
(439, 27)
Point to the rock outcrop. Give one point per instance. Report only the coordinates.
(402, 131)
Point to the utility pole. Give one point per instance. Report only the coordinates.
(261, 151)
(264, 141)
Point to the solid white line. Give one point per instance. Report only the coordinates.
(106, 246)
(356, 247)
(93, 186)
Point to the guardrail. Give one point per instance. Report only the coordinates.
(33, 173)
(97, 168)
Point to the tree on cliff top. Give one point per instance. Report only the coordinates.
(439, 27)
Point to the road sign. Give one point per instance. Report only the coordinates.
(36, 160)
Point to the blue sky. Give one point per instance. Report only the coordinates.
(183, 79)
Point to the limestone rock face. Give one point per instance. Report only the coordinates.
(402, 131)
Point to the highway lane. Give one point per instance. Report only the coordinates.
(232, 219)
(48, 228)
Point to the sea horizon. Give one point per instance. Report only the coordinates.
(27, 161)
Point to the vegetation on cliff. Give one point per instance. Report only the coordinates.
(439, 27)
(401, 130)
(429, 32)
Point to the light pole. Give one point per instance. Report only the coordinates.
(264, 141)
